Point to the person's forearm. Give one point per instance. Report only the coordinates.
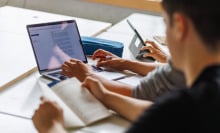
(114, 86)
(141, 68)
(128, 107)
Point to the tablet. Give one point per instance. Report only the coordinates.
(136, 44)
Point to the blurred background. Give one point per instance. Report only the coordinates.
(103, 10)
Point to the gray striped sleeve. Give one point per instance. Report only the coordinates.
(161, 80)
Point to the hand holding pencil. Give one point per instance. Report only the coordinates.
(103, 55)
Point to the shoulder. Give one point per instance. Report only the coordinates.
(166, 74)
(173, 103)
(173, 109)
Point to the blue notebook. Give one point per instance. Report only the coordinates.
(91, 44)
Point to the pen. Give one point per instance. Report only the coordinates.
(116, 79)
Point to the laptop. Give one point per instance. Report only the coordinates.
(53, 43)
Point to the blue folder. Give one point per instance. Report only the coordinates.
(91, 44)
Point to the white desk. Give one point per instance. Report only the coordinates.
(13, 34)
(22, 98)
(14, 37)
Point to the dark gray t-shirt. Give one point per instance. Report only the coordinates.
(159, 81)
(187, 110)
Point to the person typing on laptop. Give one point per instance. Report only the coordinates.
(123, 64)
(170, 76)
(193, 38)
(159, 77)
(191, 25)
(53, 43)
(149, 88)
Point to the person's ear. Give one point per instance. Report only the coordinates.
(180, 26)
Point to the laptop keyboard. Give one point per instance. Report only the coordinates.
(59, 75)
(96, 69)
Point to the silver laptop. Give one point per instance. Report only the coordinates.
(54, 43)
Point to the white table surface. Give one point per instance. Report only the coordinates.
(15, 44)
(23, 97)
(19, 101)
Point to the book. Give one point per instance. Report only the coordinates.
(80, 107)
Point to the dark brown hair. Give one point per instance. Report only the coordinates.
(204, 14)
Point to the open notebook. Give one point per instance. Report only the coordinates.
(80, 107)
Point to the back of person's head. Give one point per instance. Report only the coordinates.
(205, 16)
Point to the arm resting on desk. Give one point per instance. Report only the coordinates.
(119, 103)
(128, 107)
(114, 86)
(141, 68)
(119, 64)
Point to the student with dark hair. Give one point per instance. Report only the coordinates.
(194, 41)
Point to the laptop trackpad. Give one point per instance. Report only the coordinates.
(56, 76)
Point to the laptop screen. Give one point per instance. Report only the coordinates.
(55, 42)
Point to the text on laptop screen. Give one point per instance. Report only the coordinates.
(55, 43)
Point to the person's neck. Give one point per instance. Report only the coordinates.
(199, 58)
